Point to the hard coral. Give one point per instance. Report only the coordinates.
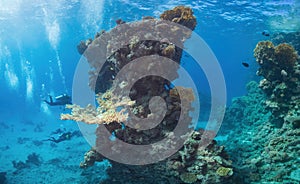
(224, 171)
(106, 113)
(285, 56)
(276, 63)
(200, 162)
(188, 177)
(264, 52)
(182, 15)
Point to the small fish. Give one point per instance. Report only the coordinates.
(265, 33)
(245, 64)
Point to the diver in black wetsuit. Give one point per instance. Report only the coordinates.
(59, 100)
(62, 137)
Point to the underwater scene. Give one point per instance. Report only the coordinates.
(152, 92)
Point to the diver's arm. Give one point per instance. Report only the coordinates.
(47, 102)
(51, 100)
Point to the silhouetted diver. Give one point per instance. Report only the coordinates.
(59, 100)
(62, 137)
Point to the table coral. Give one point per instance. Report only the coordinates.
(108, 110)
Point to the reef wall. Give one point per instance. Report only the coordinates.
(264, 125)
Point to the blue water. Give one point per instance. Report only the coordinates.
(38, 54)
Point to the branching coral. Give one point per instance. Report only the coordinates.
(107, 112)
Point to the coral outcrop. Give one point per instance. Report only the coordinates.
(108, 54)
(265, 144)
(279, 67)
(181, 15)
(191, 164)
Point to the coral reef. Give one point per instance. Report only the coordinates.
(281, 71)
(292, 38)
(209, 165)
(260, 151)
(274, 60)
(32, 160)
(181, 15)
(90, 158)
(192, 164)
(266, 143)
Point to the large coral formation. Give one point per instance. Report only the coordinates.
(274, 60)
(280, 68)
(265, 144)
(191, 164)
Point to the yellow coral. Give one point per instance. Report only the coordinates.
(224, 171)
(188, 177)
(106, 113)
(169, 50)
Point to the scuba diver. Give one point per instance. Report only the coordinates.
(60, 135)
(59, 100)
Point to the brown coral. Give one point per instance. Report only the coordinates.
(285, 56)
(276, 63)
(264, 52)
(181, 15)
